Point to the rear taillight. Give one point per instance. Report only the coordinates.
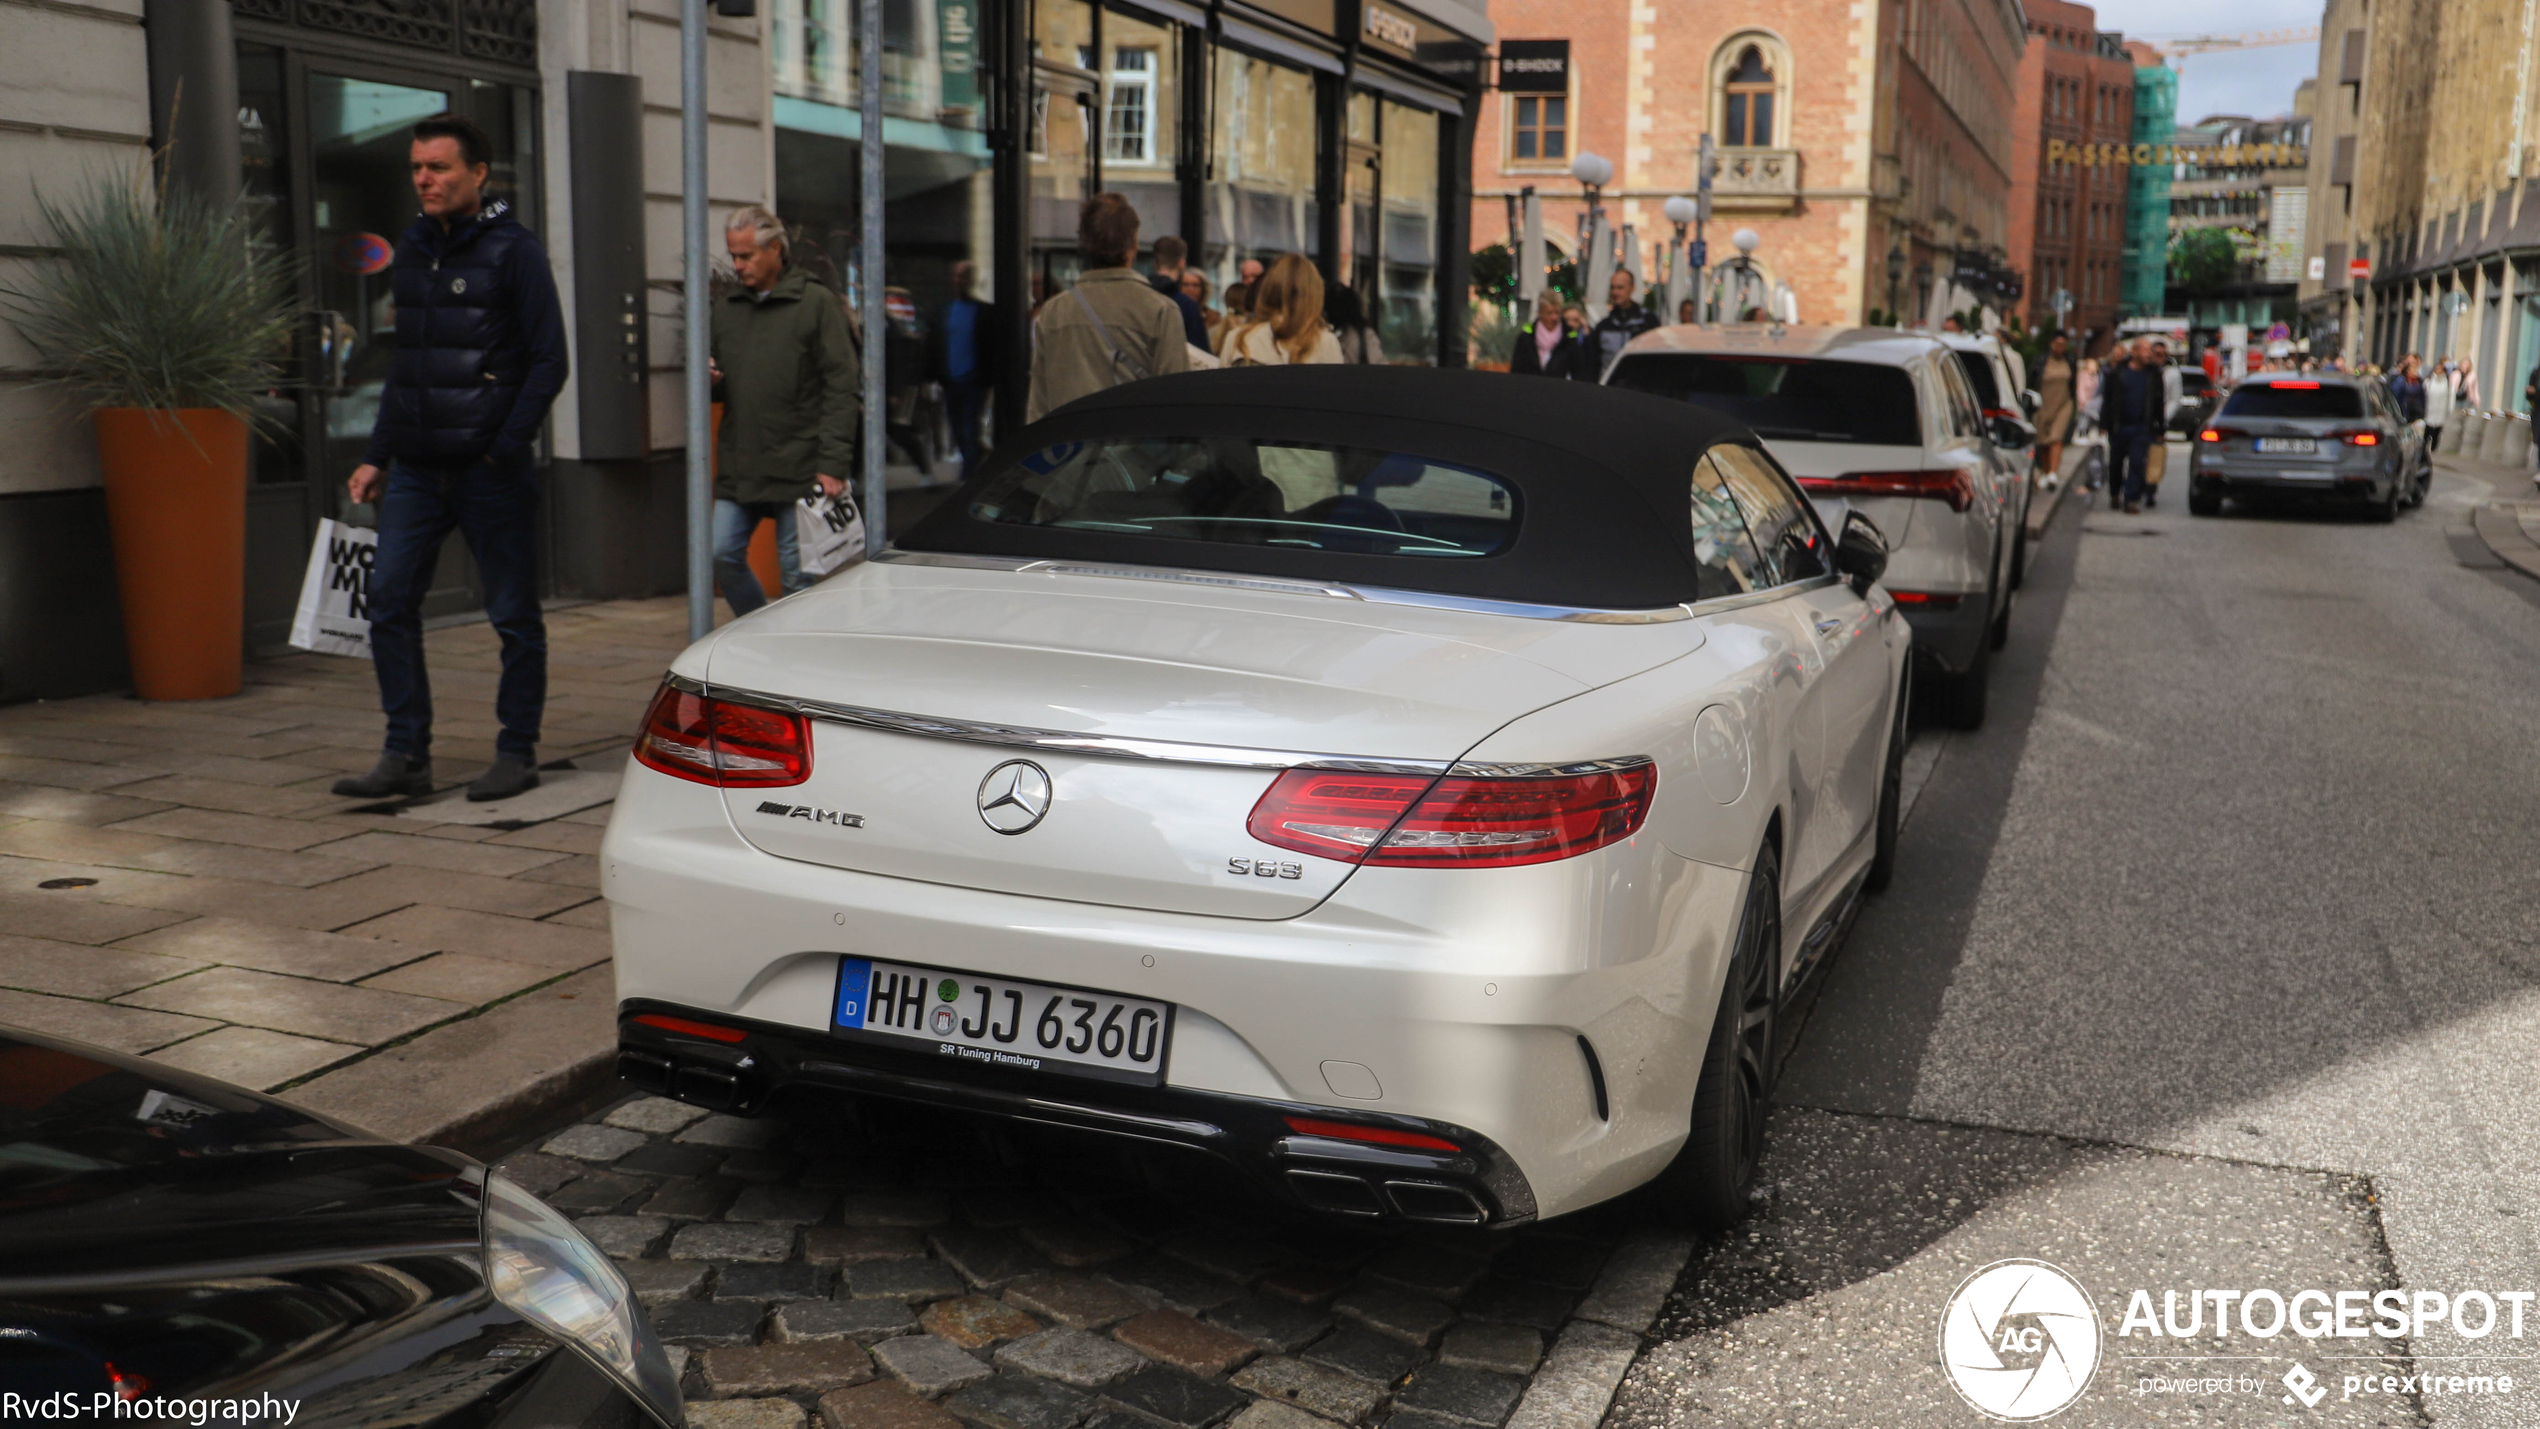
(1953, 484)
(2210, 434)
(687, 1027)
(1926, 598)
(722, 742)
(1372, 1135)
(1412, 821)
(2361, 437)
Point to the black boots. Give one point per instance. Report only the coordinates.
(508, 775)
(393, 776)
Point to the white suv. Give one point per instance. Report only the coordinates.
(1999, 376)
(1884, 422)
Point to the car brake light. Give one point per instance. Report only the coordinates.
(2297, 386)
(1373, 1135)
(1953, 484)
(2357, 438)
(1413, 821)
(1916, 597)
(723, 742)
(707, 1030)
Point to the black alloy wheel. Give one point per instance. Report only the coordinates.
(1891, 812)
(1713, 1177)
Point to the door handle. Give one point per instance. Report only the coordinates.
(1830, 625)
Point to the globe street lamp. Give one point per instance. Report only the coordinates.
(1683, 274)
(1895, 285)
(1594, 172)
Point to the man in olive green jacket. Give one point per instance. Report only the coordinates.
(1111, 327)
(787, 374)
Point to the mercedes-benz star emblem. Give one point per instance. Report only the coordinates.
(1014, 796)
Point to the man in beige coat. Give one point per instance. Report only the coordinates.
(1111, 327)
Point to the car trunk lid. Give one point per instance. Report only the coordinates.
(982, 659)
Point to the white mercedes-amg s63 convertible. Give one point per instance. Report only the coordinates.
(1420, 789)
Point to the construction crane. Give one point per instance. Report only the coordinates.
(2181, 46)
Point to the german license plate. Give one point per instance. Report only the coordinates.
(2288, 446)
(1003, 1022)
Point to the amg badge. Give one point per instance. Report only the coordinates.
(817, 816)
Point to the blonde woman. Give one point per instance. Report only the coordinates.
(1286, 325)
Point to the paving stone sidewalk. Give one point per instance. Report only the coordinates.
(912, 1271)
(177, 881)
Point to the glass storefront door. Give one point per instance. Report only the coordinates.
(325, 147)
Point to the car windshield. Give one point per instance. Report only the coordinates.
(1248, 492)
(1785, 398)
(2295, 399)
(1979, 370)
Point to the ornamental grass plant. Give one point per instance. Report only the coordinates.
(161, 300)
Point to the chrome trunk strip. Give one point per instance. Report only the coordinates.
(1162, 751)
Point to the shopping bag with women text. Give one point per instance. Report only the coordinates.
(334, 614)
(828, 533)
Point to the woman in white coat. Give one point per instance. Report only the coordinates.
(1286, 325)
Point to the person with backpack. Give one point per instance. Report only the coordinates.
(1110, 327)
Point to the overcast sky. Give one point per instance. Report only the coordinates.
(2256, 82)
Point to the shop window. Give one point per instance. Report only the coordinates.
(1540, 129)
(1259, 197)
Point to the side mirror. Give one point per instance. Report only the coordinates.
(2030, 401)
(1860, 557)
(2011, 433)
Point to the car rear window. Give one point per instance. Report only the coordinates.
(1979, 370)
(1243, 491)
(2284, 399)
(1798, 399)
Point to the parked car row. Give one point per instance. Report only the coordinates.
(1926, 436)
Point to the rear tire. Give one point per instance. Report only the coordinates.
(2387, 510)
(1958, 700)
(2203, 500)
(1891, 811)
(1713, 1176)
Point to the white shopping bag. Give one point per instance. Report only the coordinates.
(334, 614)
(828, 533)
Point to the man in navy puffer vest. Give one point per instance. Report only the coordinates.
(480, 356)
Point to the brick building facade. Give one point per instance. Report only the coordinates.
(1846, 131)
(2067, 218)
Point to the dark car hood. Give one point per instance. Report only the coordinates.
(114, 1170)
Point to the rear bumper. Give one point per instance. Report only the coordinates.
(776, 1067)
(1487, 1001)
(2336, 485)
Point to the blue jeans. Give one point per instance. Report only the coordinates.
(495, 510)
(734, 523)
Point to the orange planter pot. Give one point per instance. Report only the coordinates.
(176, 503)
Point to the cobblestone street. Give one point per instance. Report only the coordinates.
(915, 1271)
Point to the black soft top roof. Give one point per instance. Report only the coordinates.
(1602, 476)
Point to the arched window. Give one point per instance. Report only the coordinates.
(1749, 118)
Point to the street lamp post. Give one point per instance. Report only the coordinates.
(1594, 172)
(1681, 211)
(695, 313)
(1896, 285)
